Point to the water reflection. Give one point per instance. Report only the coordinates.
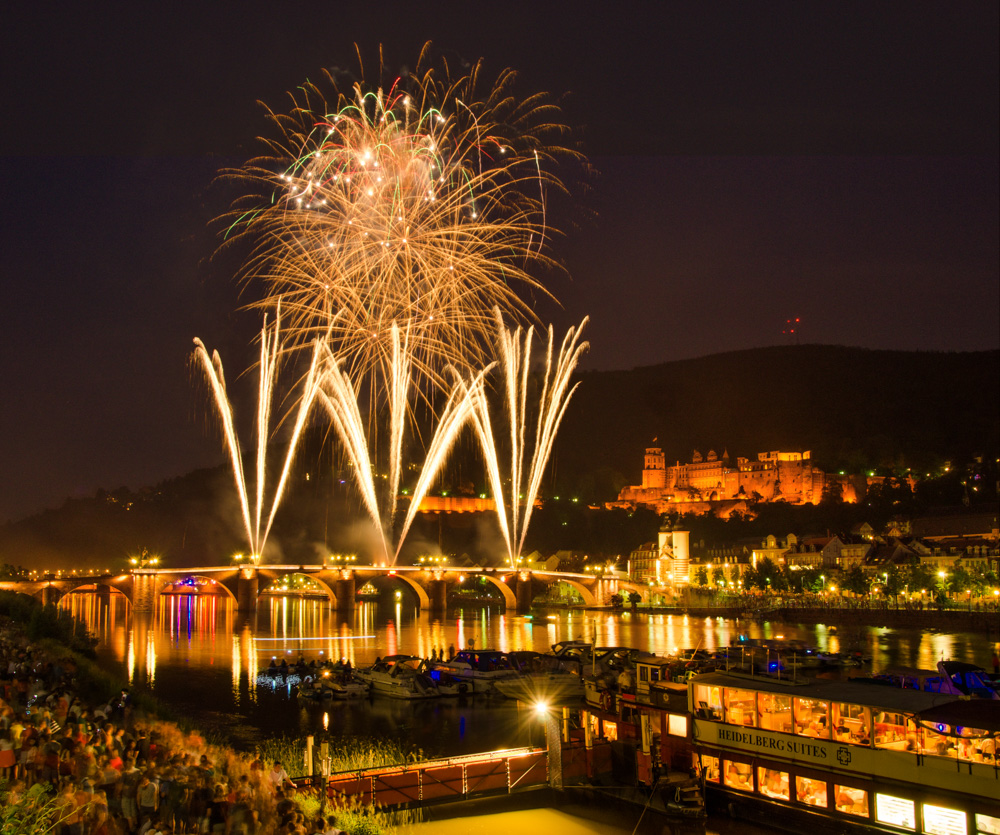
(198, 653)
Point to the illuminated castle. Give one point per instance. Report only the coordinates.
(711, 484)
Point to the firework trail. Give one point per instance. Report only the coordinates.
(256, 524)
(338, 395)
(524, 477)
(419, 205)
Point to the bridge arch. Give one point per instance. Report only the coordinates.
(589, 598)
(313, 574)
(509, 598)
(194, 574)
(411, 579)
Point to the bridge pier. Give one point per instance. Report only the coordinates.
(438, 594)
(145, 590)
(50, 595)
(247, 587)
(346, 591)
(523, 593)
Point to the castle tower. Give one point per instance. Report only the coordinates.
(654, 472)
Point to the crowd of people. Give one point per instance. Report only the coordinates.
(109, 771)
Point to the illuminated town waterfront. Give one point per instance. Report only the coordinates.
(202, 658)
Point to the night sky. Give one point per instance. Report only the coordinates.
(833, 162)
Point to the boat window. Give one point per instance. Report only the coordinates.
(897, 811)
(988, 824)
(811, 792)
(852, 723)
(710, 768)
(677, 725)
(939, 820)
(896, 732)
(740, 707)
(739, 776)
(611, 731)
(773, 783)
(775, 712)
(850, 800)
(708, 702)
(812, 718)
(643, 673)
(973, 745)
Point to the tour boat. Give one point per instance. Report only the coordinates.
(828, 756)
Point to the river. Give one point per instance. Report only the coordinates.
(198, 655)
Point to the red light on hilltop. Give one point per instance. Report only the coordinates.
(791, 326)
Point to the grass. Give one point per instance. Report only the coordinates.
(347, 753)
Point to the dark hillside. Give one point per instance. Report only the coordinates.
(855, 409)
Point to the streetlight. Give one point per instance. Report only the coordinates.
(144, 559)
(553, 743)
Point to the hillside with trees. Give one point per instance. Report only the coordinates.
(856, 410)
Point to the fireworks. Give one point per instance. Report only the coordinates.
(525, 477)
(420, 206)
(395, 227)
(256, 525)
(340, 398)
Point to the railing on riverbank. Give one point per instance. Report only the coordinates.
(460, 778)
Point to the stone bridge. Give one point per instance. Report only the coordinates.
(431, 585)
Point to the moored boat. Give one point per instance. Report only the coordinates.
(399, 677)
(480, 669)
(839, 755)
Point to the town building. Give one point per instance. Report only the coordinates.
(665, 562)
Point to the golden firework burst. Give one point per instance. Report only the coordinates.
(419, 204)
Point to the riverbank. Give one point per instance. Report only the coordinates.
(944, 620)
(72, 759)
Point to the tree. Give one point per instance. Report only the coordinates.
(855, 580)
(736, 575)
(919, 576)
(12, 572)
(833, 493)
(701, 576)
(792, 580)
(895, 581)
(769, 576)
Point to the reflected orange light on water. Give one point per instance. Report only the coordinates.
(192, 633)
